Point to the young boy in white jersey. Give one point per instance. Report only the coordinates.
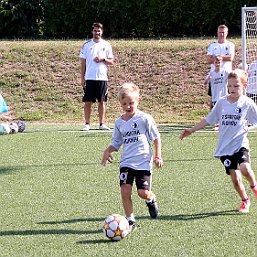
(135, 130)
(233, 112)
(217, 80)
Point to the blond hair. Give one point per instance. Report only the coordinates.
(239, 74)
(128, 89)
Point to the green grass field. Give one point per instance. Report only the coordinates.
(55, 195)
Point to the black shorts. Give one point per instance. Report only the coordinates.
(231, 162)
(143, 178)
(95, 90)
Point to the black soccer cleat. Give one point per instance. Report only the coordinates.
(153, 209)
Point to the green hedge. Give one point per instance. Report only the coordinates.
(121, 18)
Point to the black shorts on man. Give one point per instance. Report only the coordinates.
(95, 90)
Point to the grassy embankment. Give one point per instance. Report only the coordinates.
(41, 80)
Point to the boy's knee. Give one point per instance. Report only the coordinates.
(145, 194)
(245, 168)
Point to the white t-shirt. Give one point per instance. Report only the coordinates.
(135, 136)
(227, 48)
(91, 49)
(233, 123)
(252, 79)
(218, 82)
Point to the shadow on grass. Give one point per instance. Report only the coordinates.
(160, 217)
(98, 241)
(32, 232)
(180, 217)
(71, 221)
(196, 216)
(10, 169)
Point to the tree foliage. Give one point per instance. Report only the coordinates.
(121, 18)
(19, 18)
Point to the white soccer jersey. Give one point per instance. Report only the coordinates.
(91, 49)
(135, 136)
(252, 79)
(233, 123)
(227, 48)
(218, 81)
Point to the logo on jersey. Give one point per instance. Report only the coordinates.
(134, 125)
(227, 163)
(238, 110)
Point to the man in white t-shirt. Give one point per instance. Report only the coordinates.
(96, 54)
(223, 48)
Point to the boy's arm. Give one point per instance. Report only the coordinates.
(107, 157)
(188, 132)
(158, 153)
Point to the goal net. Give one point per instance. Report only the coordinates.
(249, 48)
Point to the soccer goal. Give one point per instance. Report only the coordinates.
(249, 35)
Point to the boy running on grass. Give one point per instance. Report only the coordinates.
(233, 112)
(134, 130)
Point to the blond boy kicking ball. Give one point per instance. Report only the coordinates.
(135, 130)
(233, 112)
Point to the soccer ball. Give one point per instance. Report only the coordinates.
(13, 127)
(4, 129)
(21, 126)
(115, 227)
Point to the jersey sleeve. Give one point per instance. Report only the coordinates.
(213, 117)
(210, 48)
(117, 139)
(231, 50)
(109, 52)
(151, 127)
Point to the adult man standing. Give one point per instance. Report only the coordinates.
(96, 54)
(223, 48)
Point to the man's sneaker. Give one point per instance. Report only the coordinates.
(104, 127)
(132, 225)
(244, 208)
(86, 128)
(254, 189)
(153, 209)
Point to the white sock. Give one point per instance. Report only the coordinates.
(131, 217)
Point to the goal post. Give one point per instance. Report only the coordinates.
(249, 34)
